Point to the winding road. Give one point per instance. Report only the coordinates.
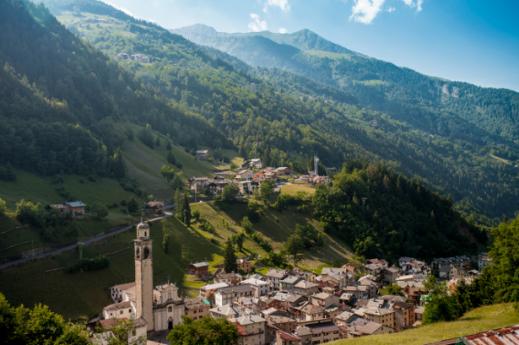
(56, 251)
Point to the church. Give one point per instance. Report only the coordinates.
(153, 309)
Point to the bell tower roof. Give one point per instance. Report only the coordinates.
(143, 230)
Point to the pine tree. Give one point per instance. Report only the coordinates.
(186, 211)
(230, 264)
(178, 204)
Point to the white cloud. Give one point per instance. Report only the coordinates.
(257, 24)
(391, 9)
(365, 11)
(282, 30)
(416, 4)
(282, 4)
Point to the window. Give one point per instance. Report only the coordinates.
(170, 309)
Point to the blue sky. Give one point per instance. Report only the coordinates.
(468, 40)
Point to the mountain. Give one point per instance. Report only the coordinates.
(62, 101)
(401, 92)
(332, 102)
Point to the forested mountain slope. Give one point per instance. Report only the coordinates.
(61, 100)
(436, 105)
(284, 117)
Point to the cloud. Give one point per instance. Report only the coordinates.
(391, 9)
(282, 4)
(365, 11)
(282, 30)
(416, 4)
(257, 24)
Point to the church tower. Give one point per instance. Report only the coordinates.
(144, 275)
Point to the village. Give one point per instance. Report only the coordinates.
(282, 307)
(249, 176)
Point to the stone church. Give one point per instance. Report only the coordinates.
(152, 309)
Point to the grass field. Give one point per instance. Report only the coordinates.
(84, 294)
(276, 227)
(295, 188)
(475, 321)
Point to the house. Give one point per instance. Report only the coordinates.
(251, 330)
(319, 332)
(311, 312)
(202, 155)
(344, 318)
(289, 283)
(200, 269)
(74, 209)
(287, 338)
(306, 288)
(275, 276)
(120, 292)
(260, 287)
(155, 206)
(244, 265)
(244, 175)
(254, 163)
(360, 292)
(378, 311)
(412, 266)
(279, 321)
(286, 301)
(228, 278)
(227, 312)
(405, 316)
(196, 308)
(443, 267)
(122, 310)
(359, 327)
(390, 274)
(507, 335)
(136, 336)
(230, 294)
(207, 292)
(247, 187)
(370, 284)
(324, 299)
(280, 171)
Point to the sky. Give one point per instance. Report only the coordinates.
(465, 40)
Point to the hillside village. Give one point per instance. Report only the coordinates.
(282, 306)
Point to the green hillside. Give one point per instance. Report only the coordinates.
(450, 116)
(85, 293)
(477, 320)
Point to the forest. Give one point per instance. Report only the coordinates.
(380, 213)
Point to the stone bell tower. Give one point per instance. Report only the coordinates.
(144, 275)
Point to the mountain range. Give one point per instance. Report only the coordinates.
(281, 97)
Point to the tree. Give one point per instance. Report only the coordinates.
(37, 325)
(230, 264)
(393, 289)
(133, 206)
(229, 193)
(442, 306)
(169, 173)
(3, 207)
(186, 211)
(294, 246)
(28, 212)
(504, 267)
(246, 224)
(98, 211)
(238, 240)
(206, 331)
(165, 239)
(178, 204)
(267, 192)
